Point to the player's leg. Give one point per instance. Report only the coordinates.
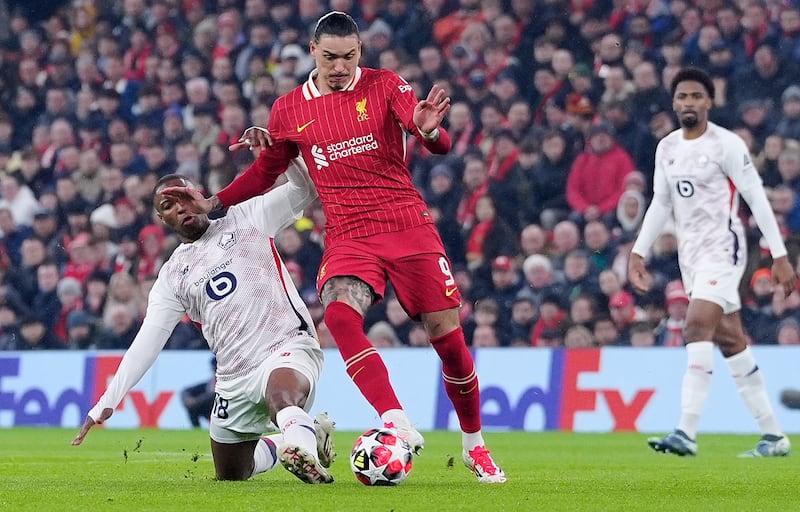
(426, 289)
(286, 394)
(701, 320)
(236, 461)
(351, 278)
(750, 383)
(461, 385)
(237, 454)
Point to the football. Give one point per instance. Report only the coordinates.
(381, 457)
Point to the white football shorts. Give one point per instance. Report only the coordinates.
(720, 286)
(240, 411)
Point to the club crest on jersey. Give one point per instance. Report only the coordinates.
(702, 160)
(361, 108)
(227, 240)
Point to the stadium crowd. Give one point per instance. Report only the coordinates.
(557, 107)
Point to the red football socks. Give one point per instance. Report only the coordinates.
(362, 361)
(460, 379)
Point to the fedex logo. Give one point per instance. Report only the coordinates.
(29, 404)
(560, 401)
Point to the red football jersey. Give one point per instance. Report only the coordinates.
(353, 142)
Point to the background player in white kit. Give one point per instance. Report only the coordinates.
(700, 172)
(228, 276)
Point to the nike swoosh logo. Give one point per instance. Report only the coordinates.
(302, 127)
(450, 291)
(470, 390)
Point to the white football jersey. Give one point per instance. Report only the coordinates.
(700, 179)
(233, 283)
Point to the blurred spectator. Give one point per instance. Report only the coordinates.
(605, 331)
(13, 235)
(540, 279)
(670, 332)
(642, 335)
(119, 327)
(34, 335)
(578, 336)
(623, 313)
(577, 276)
(503, 287)
(122, 291)
(566, 237)
(583, 309)
(476, 185)
(547, 330)
(18, 198)
(788, 125)
(81, 332)
(490, 237)
(789, 332)
(533, 240)
(46, 305)
(546, 180)
(597, 240)
(398, 320)
(523, 316)
(630, 213)
(595, 181)
(631, 133)
(485, 336)
(382, 335)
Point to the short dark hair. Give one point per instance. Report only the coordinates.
(166, 179)
(335, 23)
(692, 74)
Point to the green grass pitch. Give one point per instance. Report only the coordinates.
(138, 470)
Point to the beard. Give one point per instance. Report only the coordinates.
(689, 120)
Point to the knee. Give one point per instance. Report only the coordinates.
(440, 323)
(283, 398)
(697, 330)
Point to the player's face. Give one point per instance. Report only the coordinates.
(188, 226)
(336, 58)
(692, 103)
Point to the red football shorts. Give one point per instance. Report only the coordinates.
(414, 260)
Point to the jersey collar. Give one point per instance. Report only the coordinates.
(310, 90)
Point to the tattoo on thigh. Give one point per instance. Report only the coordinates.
(350, 290)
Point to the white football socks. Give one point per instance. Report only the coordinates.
(472, 440)
(696, 385)
(396, 417)
(297, 428)
(265, 456)
(750, 384)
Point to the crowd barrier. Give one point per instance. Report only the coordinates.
(589, 390)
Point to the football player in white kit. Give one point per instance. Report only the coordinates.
(228, 277)
(700, 172)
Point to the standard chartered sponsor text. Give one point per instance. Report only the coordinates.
(351, 146)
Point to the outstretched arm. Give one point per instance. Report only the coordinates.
(259, 177)
(164, 311)
(137, 360)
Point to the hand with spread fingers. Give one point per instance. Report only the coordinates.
(429, 113)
